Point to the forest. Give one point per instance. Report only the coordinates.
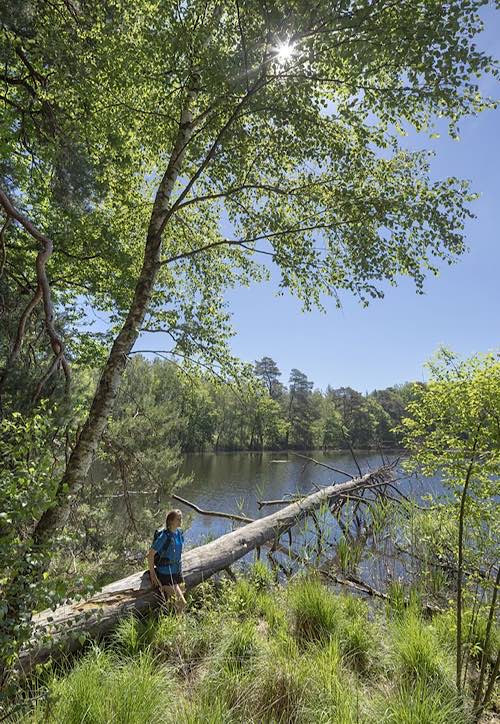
(156, 156)
(257, 413)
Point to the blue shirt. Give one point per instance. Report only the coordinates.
(172, 551)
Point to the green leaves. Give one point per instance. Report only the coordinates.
(298, 161)
(453, 424)
(27, 487)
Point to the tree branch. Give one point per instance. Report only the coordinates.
(215, 513)
(21, 328)
(323, 465)
(42, 258)
(3, 251)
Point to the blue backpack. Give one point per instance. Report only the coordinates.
(160, 557)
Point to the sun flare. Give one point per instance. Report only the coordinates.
(284, 52)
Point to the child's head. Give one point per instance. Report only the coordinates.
(174, 519)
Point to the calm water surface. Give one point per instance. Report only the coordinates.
(234, 482)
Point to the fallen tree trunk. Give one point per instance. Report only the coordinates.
(67, 628)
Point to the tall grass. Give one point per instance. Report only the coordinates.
(320, 616)
(133, 635)
(417, 652)
(349, 555)
(314, 611)
(103, 688)
(262, 654)
(295, 685)
(418, 704)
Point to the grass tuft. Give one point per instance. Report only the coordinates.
(418, 704)
(240, 645)
(103, 688)
(294, 685)
(133, 635)
(358, 645)
(417, 651)
(315, 611)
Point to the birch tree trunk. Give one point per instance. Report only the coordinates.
(83, 453)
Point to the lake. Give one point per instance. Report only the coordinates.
(234, 482)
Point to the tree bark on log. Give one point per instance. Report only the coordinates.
(71, 624)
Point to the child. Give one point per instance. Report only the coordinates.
(167, 574)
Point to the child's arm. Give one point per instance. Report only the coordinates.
(151, 566)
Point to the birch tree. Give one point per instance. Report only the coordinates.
(156, 153)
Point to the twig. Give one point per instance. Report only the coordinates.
(364, 587)
(357, 585)
(2, 243)
(351, 450)
(21, 328)
(323, 465)
(216, 513)
(282, 501)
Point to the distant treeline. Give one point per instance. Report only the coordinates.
(198, 414)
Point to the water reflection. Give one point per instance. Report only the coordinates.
(234, 482)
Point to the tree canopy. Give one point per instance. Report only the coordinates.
(294, 155)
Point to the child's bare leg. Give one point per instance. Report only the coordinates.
(176, 594)
(180, 601)
(167, 593)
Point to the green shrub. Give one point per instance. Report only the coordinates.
(241, 598)
(207, 595)
(261, 576)
(474, 631)
(166, 630)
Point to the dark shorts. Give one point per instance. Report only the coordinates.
(170, 579)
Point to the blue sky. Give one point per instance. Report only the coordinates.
(389, 341)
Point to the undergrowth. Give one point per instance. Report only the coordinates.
(254, 652)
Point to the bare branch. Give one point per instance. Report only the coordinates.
(323, 465)
(2, 243)
(43, 256)
(21, 328)
(215, 513)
